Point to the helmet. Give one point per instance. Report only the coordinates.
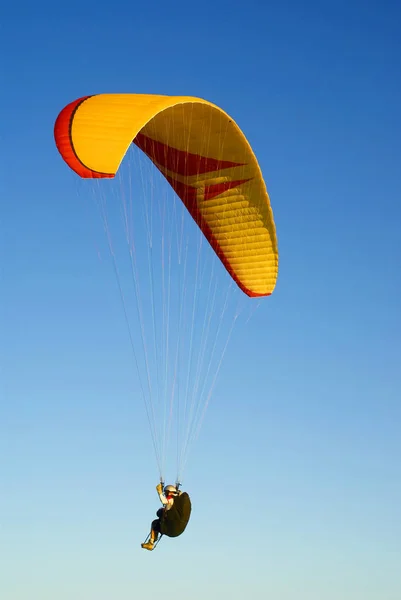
(171, 490)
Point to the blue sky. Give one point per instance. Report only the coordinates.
(295, 479)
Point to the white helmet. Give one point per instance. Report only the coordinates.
(170, 490)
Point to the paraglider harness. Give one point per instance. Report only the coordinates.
(177, 485)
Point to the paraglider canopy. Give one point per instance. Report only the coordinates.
(186, 305)
(203, 155)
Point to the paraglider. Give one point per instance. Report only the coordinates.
(206, 159)
(173, 518)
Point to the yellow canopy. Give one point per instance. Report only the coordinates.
(203, 155)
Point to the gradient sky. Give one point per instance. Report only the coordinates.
(296, 478)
